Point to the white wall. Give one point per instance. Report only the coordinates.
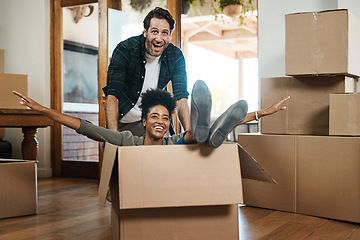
(86, 31)
(25, 36)
(352, 5)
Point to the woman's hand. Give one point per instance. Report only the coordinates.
(67, 120)
(274, 108)
(29, 102)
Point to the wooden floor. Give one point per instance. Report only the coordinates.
(69, 209)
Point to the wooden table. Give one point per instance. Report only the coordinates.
(29, 121)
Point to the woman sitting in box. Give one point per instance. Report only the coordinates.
(157, 108)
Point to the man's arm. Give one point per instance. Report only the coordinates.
(183, 113)
(112, 112)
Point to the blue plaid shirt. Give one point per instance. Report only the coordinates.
(126, 72)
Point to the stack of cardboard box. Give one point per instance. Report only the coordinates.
(309, 149)
(18, 178)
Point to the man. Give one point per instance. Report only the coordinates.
(141, 63)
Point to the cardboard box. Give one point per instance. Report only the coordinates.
(18, 188)
(191, 195)
(307, 109)
(191, 223)
(9, 83)
(344, 114)
(2, 61)
(318, 43)
(315, 175)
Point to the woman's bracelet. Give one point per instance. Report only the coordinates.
(256, 116)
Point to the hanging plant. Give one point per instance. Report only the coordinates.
(140, 5)
(233, 8)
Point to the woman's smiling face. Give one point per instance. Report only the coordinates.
(157, 122)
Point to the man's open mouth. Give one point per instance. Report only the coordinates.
(157, 45)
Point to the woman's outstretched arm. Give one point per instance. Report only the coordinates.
(265, 112)
(67, 120)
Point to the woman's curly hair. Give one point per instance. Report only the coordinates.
(154, 97)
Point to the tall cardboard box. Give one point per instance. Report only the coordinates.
(315, 175)
(344, 114)
(307, 109)
(180, 192)
(18, 188)
(325, 42)
(12, 82)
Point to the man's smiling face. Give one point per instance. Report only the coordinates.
(157, 36)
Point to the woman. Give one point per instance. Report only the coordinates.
(157, 108)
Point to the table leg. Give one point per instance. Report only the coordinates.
(29, 146)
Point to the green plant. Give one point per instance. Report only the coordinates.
(224, 3)
(247, 5)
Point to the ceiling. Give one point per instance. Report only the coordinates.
(224, 35)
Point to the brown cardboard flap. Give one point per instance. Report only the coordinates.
(106, 170)
(251, 169)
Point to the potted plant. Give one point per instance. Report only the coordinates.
(233, 8)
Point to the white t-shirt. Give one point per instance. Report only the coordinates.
(151, 79)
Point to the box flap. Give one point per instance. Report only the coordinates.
(106, 170)
(314, 13)
(251, 169)
(179, 175)
(3, 160)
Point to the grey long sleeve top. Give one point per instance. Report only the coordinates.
(124, 138)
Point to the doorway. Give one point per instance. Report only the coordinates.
(64, 97)
(222, 51)
(61, 166)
